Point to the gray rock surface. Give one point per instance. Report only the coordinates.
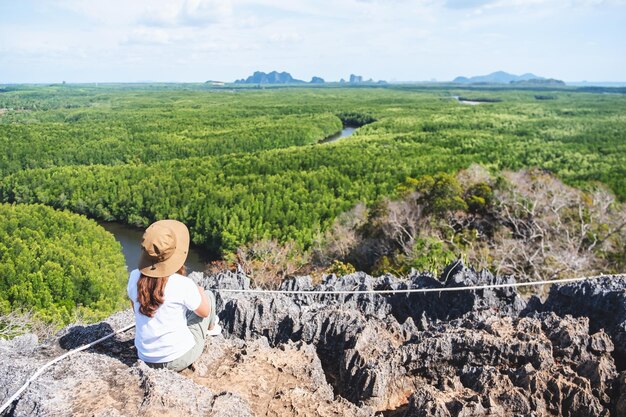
(602, 300)
(472, 353)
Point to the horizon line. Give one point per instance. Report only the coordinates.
(67, 82)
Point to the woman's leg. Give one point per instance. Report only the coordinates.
(213, 314)
(198, 326)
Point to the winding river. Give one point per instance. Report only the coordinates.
(468, 102)
(130, 237)
(344, 133)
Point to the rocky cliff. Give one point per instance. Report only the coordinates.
(273, 77)
(474, 353)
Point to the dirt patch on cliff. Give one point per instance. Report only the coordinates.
(284, 381)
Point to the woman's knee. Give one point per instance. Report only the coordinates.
(210, 297)
(212, 305)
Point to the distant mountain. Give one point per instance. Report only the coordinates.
(275, 77)
(499, 77)
(356, 79)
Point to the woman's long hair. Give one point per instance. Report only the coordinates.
(150, 292)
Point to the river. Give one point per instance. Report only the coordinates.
(344, 133)
(130, 239)
(468, 102)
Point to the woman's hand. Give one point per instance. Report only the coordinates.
(204, 310)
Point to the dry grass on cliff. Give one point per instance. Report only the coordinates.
(17, 323)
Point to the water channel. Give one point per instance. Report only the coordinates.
(344, 133)
(130, 237)
(468, 102)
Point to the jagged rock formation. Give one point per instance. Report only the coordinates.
(355, 79)
(358, 79)
(474, 353)
(274, 77)
(603, 302)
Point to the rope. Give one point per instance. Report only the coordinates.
(55, 360)
(287, 292)
(412, 290)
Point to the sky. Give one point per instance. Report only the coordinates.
(44, 41)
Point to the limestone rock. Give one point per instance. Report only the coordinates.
(458, 353)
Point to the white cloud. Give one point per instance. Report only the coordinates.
(466, 4)
(188, 13)
(166, 13)
(481, 6)
(148, 36)
(403, 39)
(111, 12)
(285, 37)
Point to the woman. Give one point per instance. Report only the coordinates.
(173, 315)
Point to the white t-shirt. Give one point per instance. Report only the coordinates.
(165, 336)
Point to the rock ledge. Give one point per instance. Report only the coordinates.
(470, 353)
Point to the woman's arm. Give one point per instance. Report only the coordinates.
(204, 310)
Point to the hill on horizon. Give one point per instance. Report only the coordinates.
(498, 77)
(275, 77)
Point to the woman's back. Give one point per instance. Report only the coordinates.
(165, 336)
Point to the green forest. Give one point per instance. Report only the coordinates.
(240, 166)
(59, 265)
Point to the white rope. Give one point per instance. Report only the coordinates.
(315, 292)
(412, 290)
(55, 360)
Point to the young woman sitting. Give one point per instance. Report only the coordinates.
(173, 315)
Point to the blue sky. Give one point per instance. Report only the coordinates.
(396, 40)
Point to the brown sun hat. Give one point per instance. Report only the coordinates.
(164, 248)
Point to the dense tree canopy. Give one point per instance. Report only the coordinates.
(245, 165)
(58, 264)
(241, 166)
